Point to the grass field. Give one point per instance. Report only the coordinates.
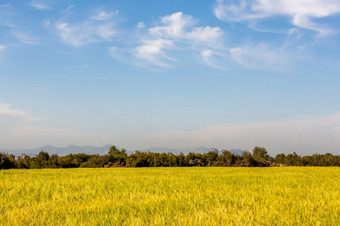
(182, 196)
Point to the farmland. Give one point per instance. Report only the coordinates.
(158, 196)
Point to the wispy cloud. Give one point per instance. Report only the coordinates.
(97, 28)
(154, 51)
(252, 56)
(181, 27)
(177, 35)
(216, 59)
(84, 33)
(102, 15)
(301, 13)
(24, 37)
(173, 26)
(40, 5)
(172, 35)
(6, 109)
(2, 47)
(140, 25)
(261, 55)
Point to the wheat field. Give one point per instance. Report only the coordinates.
(171, 196)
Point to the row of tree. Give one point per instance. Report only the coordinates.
(119, 158)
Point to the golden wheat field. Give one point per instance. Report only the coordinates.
(172, 196)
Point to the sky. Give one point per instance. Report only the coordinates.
(176, 74)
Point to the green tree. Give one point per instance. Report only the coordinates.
(280, 158)
(53, 161)
(247, 159)
(181, 160)
(293, 159)
(194, 159)
(211, 157)
(95, 161)
(66, 161)
(117, 156)
(24, 161)
(40, 160)
(7, 161)
(227, 157)
(260, 154)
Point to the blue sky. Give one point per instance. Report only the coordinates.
(177, 74)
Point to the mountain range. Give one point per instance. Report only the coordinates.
(74, 149)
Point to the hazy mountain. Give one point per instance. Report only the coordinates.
(74, 149)
(61, 151)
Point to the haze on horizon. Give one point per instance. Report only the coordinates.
(140, 74)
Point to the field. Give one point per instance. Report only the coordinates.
(182, 196)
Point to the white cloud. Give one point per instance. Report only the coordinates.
(178, 26)
(260, 55)
(85, 33)
(303, 134)
(114, 52)
(153, 51)
(235, 10)
(40, 5)
(98, 28)
(124, 55)
(7, 110)
(102, 16)
(208, 35)
(173, 26)
(177, 35)
(173, 34)
(250, 55)
(2, 47)
(141, 25)
(23, 37)
(301, 12)
(70, 7)
(215, 59)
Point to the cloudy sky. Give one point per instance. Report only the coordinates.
(176, 74)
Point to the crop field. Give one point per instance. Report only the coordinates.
(172, 196)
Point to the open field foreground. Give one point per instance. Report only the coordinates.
(158, 196)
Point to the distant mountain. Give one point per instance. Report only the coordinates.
(74, 149)
(61, 151)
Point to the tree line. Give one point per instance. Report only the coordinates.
(119, 158)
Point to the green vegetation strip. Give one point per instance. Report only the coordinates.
(175, 196)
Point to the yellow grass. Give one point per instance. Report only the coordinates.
(175, 196)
